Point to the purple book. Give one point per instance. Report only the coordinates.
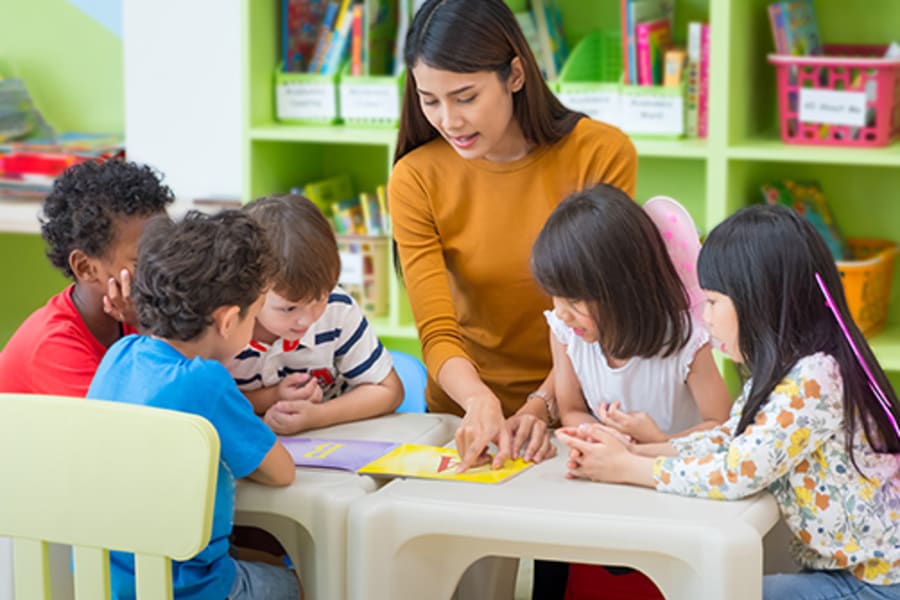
(349, 455)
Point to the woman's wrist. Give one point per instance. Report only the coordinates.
(548, 403)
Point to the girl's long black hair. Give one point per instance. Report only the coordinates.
(765, 258)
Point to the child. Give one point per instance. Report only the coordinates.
(91, 222)
(313, 360)
(625, 350)
(816, 424)
(198, 287)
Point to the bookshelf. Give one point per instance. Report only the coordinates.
(712, 177)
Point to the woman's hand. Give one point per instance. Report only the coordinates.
(638, 425)
(117, 301)
(530, 437)
(482, 424)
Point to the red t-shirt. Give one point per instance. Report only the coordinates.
(52, 352)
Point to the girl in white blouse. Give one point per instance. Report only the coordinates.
(626, 352)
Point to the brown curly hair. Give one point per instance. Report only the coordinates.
(188, 269)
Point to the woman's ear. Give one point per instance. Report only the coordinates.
(84, 268)
(225, 319)
(516, 75)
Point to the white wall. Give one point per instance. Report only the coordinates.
(182, 63)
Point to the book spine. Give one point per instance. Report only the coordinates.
(338, 48)
(703, 102)
(692, 89)
(324, 39)
(356, 43)
(624, 12)
(543, 29)
(776, 22)
(674, 67)
(644, 54)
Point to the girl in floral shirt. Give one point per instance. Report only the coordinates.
(809, 425)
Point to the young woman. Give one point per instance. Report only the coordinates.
(816, 424)
(485, 152)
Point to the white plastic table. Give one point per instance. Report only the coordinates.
(412, 539)
(309, 518)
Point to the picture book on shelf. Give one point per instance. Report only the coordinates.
(389, 459)
(795, 29)
(809, 201)
(634, 12)
(653, 38)
(300, 27)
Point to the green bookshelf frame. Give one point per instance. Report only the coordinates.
(711, 177)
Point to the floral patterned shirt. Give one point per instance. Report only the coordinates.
(796, 450)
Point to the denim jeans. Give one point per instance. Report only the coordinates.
(825, 585)
(261, 581)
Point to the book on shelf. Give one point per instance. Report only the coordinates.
(552, 50)
(795, 28)
(323, 39)
(807, 198)
(389, 459)
(653, 38)
(703, 84)
(692, 79)
(632, 13)
(300, 24)
(673, 67)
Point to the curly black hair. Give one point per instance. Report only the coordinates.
(186, 270)
(86, 201)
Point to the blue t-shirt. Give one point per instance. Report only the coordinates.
(148, 371)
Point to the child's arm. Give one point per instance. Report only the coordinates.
(573, 410)
(709, 391)
(362, 402)
(277, 468)
(293, 387)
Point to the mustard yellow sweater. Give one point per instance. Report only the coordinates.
(464, 230)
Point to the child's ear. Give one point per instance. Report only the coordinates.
(226, 318)
(516, 75)
(83, 266)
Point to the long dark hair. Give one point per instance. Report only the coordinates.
(764, 258)
(600, 247)
(471, 36)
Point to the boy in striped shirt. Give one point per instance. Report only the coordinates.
(314, 361)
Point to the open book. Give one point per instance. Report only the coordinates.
(388, 459)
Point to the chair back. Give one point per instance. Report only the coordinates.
(103, 476)
(414, 377)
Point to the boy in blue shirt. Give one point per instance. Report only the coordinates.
(197, 289)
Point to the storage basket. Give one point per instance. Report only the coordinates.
(849, 97)
(371, 100)
(589, 81)
(365, 269)
(306, 97)
(867, 281)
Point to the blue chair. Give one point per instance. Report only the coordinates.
(414, 377)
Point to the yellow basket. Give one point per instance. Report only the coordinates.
(867, 281)
(365, 269)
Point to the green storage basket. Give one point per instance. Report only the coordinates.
(371, 99)
(589, 80)
(306, 97)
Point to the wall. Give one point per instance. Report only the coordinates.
(182, 90)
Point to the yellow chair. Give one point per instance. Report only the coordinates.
(103, 476)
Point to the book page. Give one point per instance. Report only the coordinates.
(435, 462)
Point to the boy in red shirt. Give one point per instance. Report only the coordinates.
(91, 222)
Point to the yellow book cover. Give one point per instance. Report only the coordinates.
(436, 462)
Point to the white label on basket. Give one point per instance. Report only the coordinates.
(351, 268)
(306, 100)
(834, 108)
(370, 101)
(652, 115)
(602, 106)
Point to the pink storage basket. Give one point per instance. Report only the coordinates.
(844, 68)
